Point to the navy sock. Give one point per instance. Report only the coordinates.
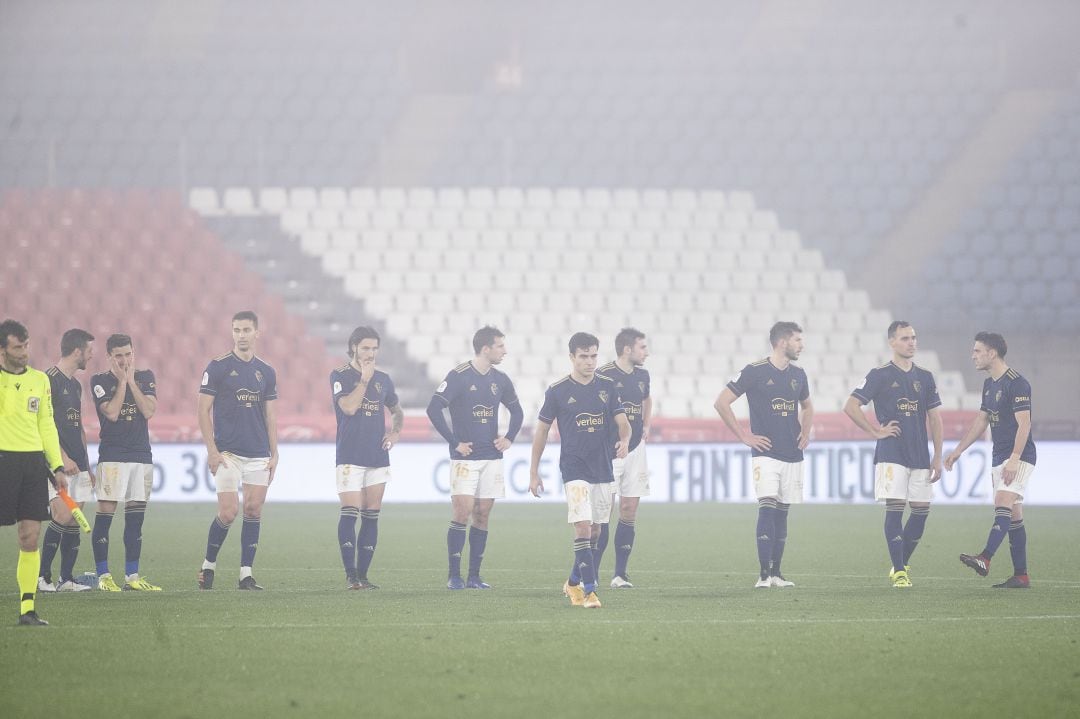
(1017, 547)
(583, 565)
(477, 544)
(100, 537)
(366, 540)
(766, 531)
(49, 547)
(780, 540)
(600, 546)
(894, 532)
(346, 533)
(455, 542)
(70, 540)
(913, 530)
(215, 538)
(1002, 520)
(134, 514)
(249, 540)
(624, 544)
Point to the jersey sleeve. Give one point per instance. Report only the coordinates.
(741, 382)
(271, 383)
(648, 385)
(50, 438)
(933, 399)
(447, 391)
(509, 397)
(210, 380)
(550, 409)
(391, 394)
(804, 394)
(866, 391)
(1021, 395)
(148, 384)
(985, 394)
(104, 388)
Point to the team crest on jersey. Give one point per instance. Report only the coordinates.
(641, 387)
(32, 404)
(378, 386)
(258, 376)
(997, 397)
(794, 385)
(495, 388)
(917, 385)
(603, 396)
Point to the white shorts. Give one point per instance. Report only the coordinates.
(124, 481)
(588, 502)
(353, 478)
(1019, 483)
(480, 478)
(775, 478)
(632, 473)
(895, 481)
(236, 470)
(79, 487)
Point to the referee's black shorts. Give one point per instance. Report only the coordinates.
(24, 487)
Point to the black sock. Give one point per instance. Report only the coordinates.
(1017, 547)
(766, 531)
(780, 540)
(455, 542)
(49, 546)
(366, 540)
(346, 531)
(100, 537)
(624, 544)
(894, 532)
(477, 544)
(913, 531)
(600, 546)
(134, 514)
(70, 539)
(215, 538)
(249, 540)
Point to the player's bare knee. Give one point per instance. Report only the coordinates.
(106, 507)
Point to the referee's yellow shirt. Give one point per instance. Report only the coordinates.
(26, 415)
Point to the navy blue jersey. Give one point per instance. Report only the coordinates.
(360, 436)
(773, 396)
(474, 400)
(67, 413)
(240, 390)
(1001, 400)
(585, 413)
(128, 438)
(633, 389)
(903, 397)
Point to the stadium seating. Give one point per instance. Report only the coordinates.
(705, 274)
(140, 263)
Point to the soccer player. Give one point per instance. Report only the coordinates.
(632, 473)
(1006, 408)
(29, 450)
(905, 400)
(126, 399)
(472, 392)
(76, 350)
(775, 390)
(361, 394)
(238, 422)
(585, 405)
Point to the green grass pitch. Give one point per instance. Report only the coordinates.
(692, 639)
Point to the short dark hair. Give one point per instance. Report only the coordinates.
(896, 325)
(781, 331)
(74, 339)
(246, 315)
(361, 333)
(583, 341)
(485, 337)
(626, 338)
(13, 328)
(994, 341)
(117, 340)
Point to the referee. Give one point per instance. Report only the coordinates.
(28, 439)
